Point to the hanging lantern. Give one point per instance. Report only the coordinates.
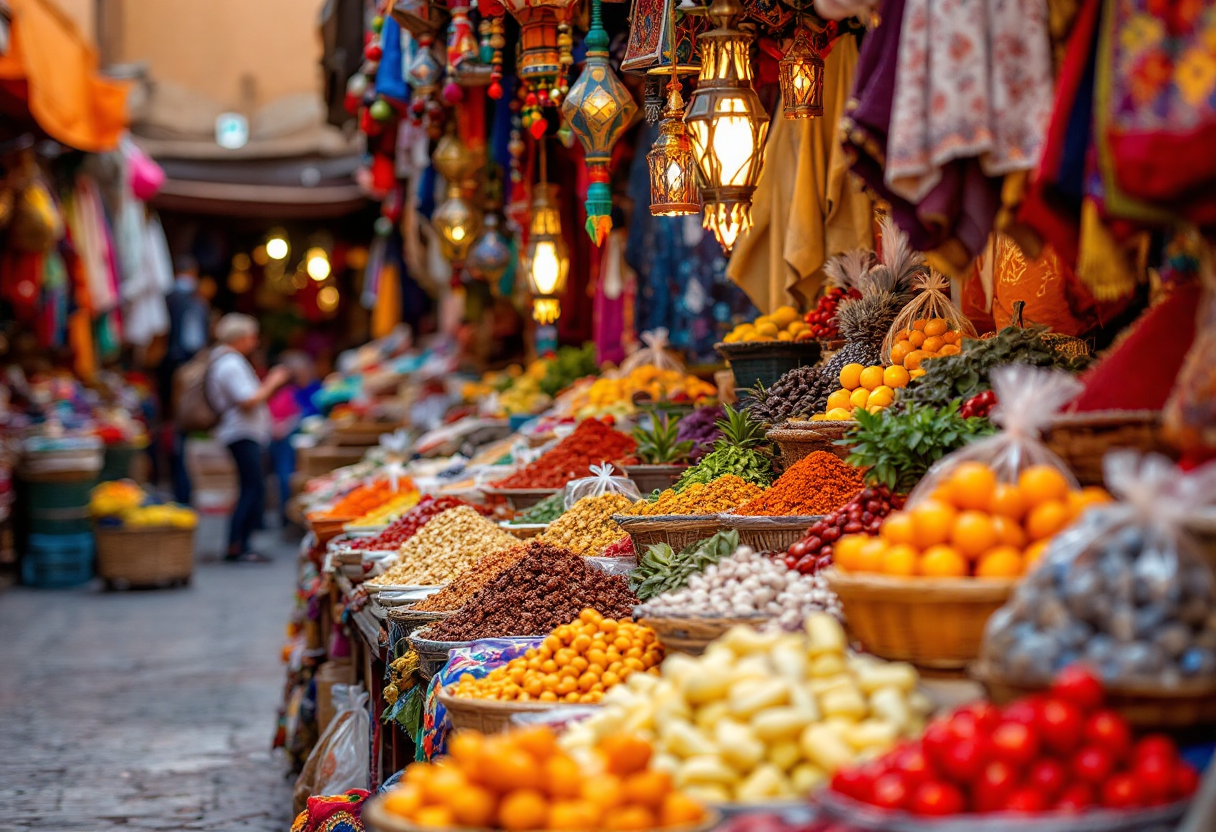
(673, 169)
(545, 45)
(456, 221)
(657, 31)
(490, 256)
(545, 261)
(801, 75)
(598, 109)
(728, 126)
(462, 49)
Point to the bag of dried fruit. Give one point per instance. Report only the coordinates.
(929, 326)
(1028, 399)
(1126, 590)
(599, 483)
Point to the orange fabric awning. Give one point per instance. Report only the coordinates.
(68, 98)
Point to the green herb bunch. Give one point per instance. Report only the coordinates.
(568, 366)
(662, 570)
(735, 453)
(546, 511)
(898, 448)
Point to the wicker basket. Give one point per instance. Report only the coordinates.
(521, 498)
(933, 622)
(432, 655)
(1082, 439)
(487, 716)
(145, 556)
(763, 362)
(1188, 708)
(404, 620)
(800, 439)
(676, 531)
(378, 820)
(686, 634)
(650, 478)
(769, 534)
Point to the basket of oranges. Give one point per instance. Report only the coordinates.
(923, 590)
(764, 350)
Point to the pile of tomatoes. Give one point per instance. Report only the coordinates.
(822, 319)
(863, 513)
(1060, 752)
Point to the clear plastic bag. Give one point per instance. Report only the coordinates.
(339, 761)
(1190, 412)
(932, 302)
(601, 483)
(1126, 590)
(1028, 399)
(655, 353)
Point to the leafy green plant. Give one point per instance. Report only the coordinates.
(568, 366)
(898, 448)
(663, 570)
(658, 444)
(735, 453)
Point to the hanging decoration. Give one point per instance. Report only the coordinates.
(801, 74)
(545, 56)
(546, 261)
(673, 168)
(598, 109)
(493, 39)
(456, 221)
(462, 50)
(423, 75)
(491, 254)
(728, 126)
(657, 31)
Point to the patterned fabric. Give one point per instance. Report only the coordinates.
(333, 813)
(974, 80)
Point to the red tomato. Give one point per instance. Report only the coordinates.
(938, 799)
(995, 784)
(937, 741)
(1026, 800)
(1155, 775)
(963, 761)
(1078, 685)
(854, 783)
(1014, 742)
(1076, 798)
(1025, 711)
(1061, 724)
(1092, 765)
(1048, 776)
(1186, 780)
(890, 791)
(964, 725)
(985, 715)
(1156, 745)
(914, 764)
(1108, 730)
(1121, 792)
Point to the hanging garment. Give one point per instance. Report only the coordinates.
(87, 227)
(613, 301)
(147, 311)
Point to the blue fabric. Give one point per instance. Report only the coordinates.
(247, 514)
(390, 77)
(283, 463)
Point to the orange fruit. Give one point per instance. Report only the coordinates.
(1046, 519)
(539, 742)
(897, 528)
(1008, 532)
(949, 349)
(523, 809)
(920, 324)
(974, 533)
(625, 754)
(1007, 501)
(680, 810)
(1001, 562)
(917, 339)
(1091, 495)
(904, 334)
(504, 768)
(859, 398)
(899, 351)
(472, 806)
(562, 777)
(900, 559)
(932, 523)
(895, 377)
(933, 343)
(605, 791)
(840, 398)
(647, 788)
(444, 780)
(953, 337)
(434, 816)
(871, 377)
(880, 396)
(971, 486)
(942, 562)
(850, 376)
(574, 815)
(871, 557)
(1042, 483)
(404, 800)
(936, 326)
(629, 819)
(1035, 551)
(847, 553)
(913, 359)
(465, 748)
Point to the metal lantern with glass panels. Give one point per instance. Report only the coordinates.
(546, 261)
(456, 220)
(801, 74)
(728, 126)
(673, 168)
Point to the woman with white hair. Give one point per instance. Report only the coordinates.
(235, 393)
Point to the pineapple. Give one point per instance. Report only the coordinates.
(657, 444)
(739, 430)
(735, 453)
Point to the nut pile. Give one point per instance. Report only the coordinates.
(446, 546)
(548, 587)
(818, 483)
(587, 528)
(714, 497)
(746, 584)
(408, 524)
(467, 583)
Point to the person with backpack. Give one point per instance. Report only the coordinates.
(238, 399)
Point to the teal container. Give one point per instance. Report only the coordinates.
(55, 561)
(56, 507)
(117, 465)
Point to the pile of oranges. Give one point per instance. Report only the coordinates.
(972, 525)
(928, 338)
(870, 388)
(783, 324)
(577, 662)
(523, 781)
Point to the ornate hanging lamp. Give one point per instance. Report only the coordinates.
(456, 221)
(491, 253)
(728, 126)
(598, 110)
(546, 261)
(544, 56)
(658, 31)
(673, 168)
(801, 74)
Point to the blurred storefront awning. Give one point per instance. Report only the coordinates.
(51, 72)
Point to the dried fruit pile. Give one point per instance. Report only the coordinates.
(547, 587)
(816, 484)
(591, 443)
(408, 524)
(446, 546)
(861, 515)
(718, 496)
(456, 594)
(792, 395)
(587, 528)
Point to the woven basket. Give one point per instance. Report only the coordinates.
(145, 556)
(1082, 439)
(676, 531)
(769, 534)
(521, 498)
(933, 622)
(763, 362)
(404, 620)
(801, 439)
(487, 716)
(432, 655)
(378, 820)
(1148, 708)
(650, 478)
(686, 634)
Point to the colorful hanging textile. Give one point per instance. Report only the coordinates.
(333, 813)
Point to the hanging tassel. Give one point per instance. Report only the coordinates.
(1102, 263)
(599, 208)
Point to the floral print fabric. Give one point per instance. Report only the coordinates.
(974, 79)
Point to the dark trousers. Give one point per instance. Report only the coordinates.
(247, 515)
(283, 463)
(177, 467)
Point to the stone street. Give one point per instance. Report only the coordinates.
(150, 709)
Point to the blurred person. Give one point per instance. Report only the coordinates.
(239, 399)
(291, 404)
(189, 325)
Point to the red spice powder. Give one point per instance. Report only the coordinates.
(591, 443)
(818, 483)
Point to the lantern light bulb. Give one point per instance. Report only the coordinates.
(276, 248)
(545, 268)
(318, 265)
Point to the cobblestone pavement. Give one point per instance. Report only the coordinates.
(146, 710)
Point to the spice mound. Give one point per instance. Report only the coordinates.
(367, 498)
(445, 547)
(548, 587)
(818, 483)
(591, 443)
(408, 524)
(467, 583)
(714, 497)
(588, 528)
